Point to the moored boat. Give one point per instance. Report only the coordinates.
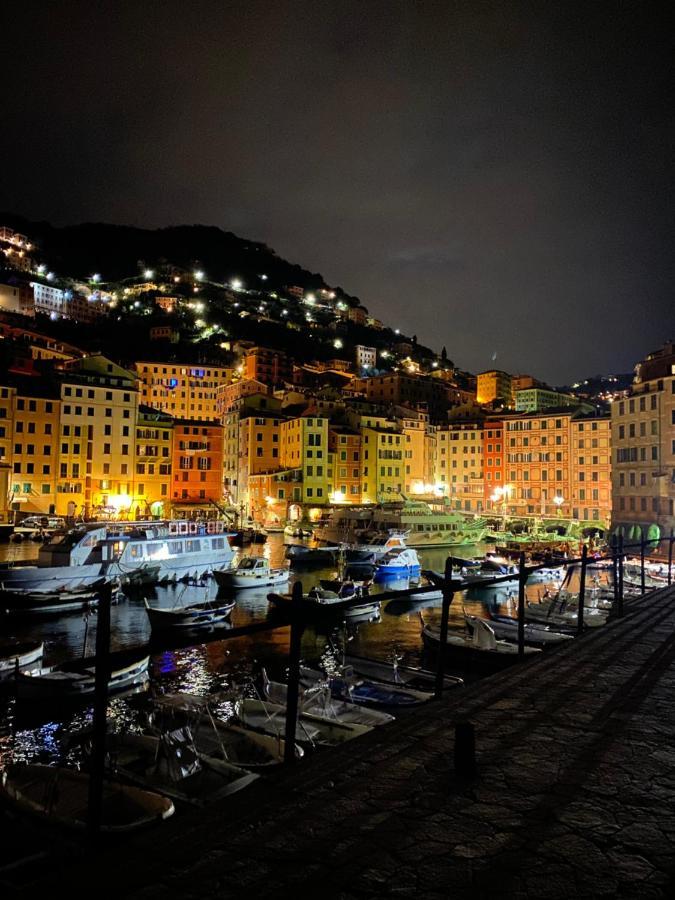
(46, 601)
(319, 601)
(76, 680)
(252, 572)
(19, 655)
(202, 616)
(506, 628)
(311, 729)
(399, 563)
(61, 796)
(481, 646)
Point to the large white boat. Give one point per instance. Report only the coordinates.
(424, 526)
(168, 551)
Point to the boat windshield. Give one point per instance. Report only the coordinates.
(248, 564)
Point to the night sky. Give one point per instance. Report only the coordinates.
(495, 177)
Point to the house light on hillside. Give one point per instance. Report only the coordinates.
(41, 270)
(199, 275)
(176, 279)
(310, 299)
(236, 284)
(263, 277)
(148, 273)
(96, 277)
(200, 323)
(337, 343)
(384, 354)
(397, 331)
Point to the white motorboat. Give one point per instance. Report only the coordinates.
(374, 547)
(252, 572)
(123, 551)
(315, 697)
(262, 715)
(506, 628)
(400, 563)
(171, 764)
(480, 645)
(223, 740)
(552, 613)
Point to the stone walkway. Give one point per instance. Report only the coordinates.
(575, 797)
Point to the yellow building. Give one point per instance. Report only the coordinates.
(260, 440)
(458, 465)
(383, 470)
(99, 410)
(494, 386)
(305, 446)
(182, 391)
(153, 460)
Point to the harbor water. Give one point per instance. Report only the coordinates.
(39, 734)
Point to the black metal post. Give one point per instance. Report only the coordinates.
(522, 578)
(615, 575)
(297, 627)
(465, 750)
(448, 594)
(621, 574)
(582, 589)
(670, 558)
(102, 679)
(642, 566)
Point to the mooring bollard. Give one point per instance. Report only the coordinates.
(294, 650)
(448, 594)
(465, 750)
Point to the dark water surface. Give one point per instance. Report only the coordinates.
(42, 734)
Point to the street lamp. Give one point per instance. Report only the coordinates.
(558, 500)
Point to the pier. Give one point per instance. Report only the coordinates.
(573, 796)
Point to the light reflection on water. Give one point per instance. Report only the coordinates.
(218, 665)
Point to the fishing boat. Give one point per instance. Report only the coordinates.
(395, 674)
(222, 740)
(195, 616)
(19, 655)
(77, 680)
(312, 729)
(423, 526)
(119, 551)
(319, 601)
(252, 572)
(553, 612)
(315, 696)
(479, 646)
(300, 555)
(400, 563)
(506, 628)
(351, 688)
(46, 601)
(245, 536)
(171, 764)
(61, 796)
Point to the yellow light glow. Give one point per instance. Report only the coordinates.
(119, 501)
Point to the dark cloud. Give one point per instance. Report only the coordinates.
(488, 176)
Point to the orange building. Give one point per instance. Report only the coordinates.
(557, 465)
(269, 366)
(493, 464)
(197, 462)
(345, 445)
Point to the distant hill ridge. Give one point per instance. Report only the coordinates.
(120, 251)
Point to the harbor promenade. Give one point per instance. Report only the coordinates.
(574, 796)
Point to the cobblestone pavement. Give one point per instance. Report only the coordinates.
(574, 797)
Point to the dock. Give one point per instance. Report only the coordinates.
(573, 796)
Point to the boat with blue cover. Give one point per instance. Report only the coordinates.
(399, 563)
